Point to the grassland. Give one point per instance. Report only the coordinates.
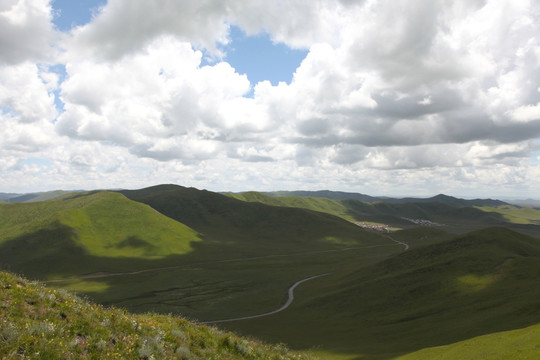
(105, 224)
(329, 206)
(103, 231)
(41, 323)
(476, 284)
(378, 302)
(455, 219)
(516, 344)
(516, 214)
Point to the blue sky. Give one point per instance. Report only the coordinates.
(260, 58)
(256, 56)
(70, 13)
(387, 98)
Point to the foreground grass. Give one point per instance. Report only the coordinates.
(40, 323)
(516, 344)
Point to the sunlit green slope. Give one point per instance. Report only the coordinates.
(515, 344)
(516, 214)
(102, 225)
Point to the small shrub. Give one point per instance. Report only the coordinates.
(243, 348)
(43, 328)
(183, 353)
(9, 332)
(151, 346)
(178, 334)
(101, 345)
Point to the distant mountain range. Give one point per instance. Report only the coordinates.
(33, 197)
(334, 195)
(339, 195)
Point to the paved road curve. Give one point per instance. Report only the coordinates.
(286, 305)
(406, 246)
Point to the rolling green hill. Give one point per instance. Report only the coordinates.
(339, 195)
(35, 197)
(41, 323)
(516, 214)
(235, 257)
(475, 284)
(329, 206)
(78, 235)
(171, 249)
(250, 227)
(457, 219)
(516, 344)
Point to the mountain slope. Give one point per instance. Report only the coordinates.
(321, 204)
(38, 237)
(339, 195)
(457, 219)
(475, 284)
(34, 197)
(257, 227)
(333, 195)
(37, 322)
(516, 344)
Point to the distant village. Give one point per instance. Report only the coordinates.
(386, 229)
(372, 226)
(423, 222)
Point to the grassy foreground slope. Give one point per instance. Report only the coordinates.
(64, 236)
(515, 344)
(40, 323)
(478, 283)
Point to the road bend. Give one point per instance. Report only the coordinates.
(285, 306)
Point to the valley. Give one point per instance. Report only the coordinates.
(290, 269)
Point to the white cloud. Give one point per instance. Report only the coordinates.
(390, 94)
(24, 92)
(159, 103)
(26, 31)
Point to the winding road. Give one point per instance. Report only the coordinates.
(290, 292)
(285, 306)
(406, 246)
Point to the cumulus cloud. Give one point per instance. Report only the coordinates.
(26, 31)
(26, 90)
(159, 103)
(396, 93)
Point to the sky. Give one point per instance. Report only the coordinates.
(392, 98)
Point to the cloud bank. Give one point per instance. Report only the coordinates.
(393, 97)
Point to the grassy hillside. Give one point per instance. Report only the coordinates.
(234, 259)
(516, 214)
(171, 249)
(457, 219)
(251, 228)
(476, 284)
(46, 236)
(37, 322)
(35, 197)
(329, 206)
(339, 195)
(516, 344)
